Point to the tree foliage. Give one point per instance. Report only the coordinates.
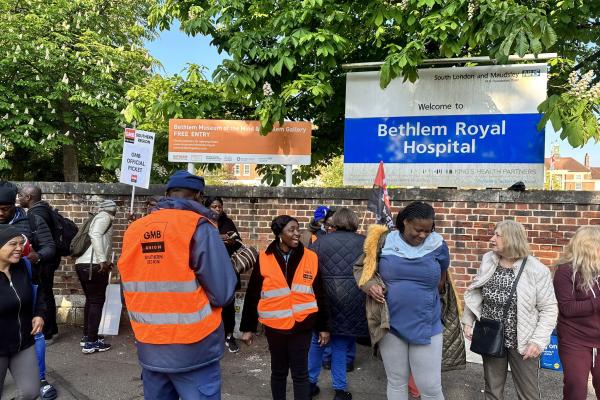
(299, 46)
(158, 99)
(65, 68)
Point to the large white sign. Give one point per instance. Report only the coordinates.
(456, 127)
(136, 164)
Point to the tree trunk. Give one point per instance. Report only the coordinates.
(70, 161)
(70, 169)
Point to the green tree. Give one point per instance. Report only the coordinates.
(156, 100)
(294, 49)
(65, 68)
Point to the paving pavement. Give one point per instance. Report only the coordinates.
(115, 374)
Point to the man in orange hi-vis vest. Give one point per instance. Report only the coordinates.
(176, 277)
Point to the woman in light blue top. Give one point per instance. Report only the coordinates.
(413, 266)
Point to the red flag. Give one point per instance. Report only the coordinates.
(379, 202)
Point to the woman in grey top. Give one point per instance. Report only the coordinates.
(531, 315)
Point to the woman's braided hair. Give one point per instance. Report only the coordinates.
(415, 210)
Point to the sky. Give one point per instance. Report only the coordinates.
(591, 148)
(174, 49)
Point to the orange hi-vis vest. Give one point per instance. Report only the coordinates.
(166, 304)
(281, 306)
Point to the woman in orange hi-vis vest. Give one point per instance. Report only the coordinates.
(286, 295)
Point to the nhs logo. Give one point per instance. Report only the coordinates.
(529, 73)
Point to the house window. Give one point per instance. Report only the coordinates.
(236, 170)
(577, 185)
(246, 169)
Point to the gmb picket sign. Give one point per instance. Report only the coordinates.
(460, 127)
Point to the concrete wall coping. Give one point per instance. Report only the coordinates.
(349, 193)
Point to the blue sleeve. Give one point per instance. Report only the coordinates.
(443, 257)
(210, 261)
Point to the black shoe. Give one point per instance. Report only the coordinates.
(326, 364)
(314, 390)
(47, 391)
(231, 344)
(342, 395)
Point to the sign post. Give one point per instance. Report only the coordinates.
(136, 164)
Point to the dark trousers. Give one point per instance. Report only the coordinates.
(228, 315)
(577, 364)
(46, 285)
(289, 352)
(95, 294)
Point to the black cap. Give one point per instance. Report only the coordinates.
(7, 232)
(8, 192)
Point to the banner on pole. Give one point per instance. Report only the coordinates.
(379, 202)
(230, 141)
(136, 164)
(462, 127)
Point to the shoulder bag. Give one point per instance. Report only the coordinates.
(488, 334)
(244, 258)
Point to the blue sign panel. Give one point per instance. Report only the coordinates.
(488, 138)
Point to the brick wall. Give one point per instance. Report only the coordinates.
(465, 218)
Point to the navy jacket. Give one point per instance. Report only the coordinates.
(210, 261)
(337, 252)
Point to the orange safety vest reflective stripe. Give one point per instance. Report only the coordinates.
(166, 304)
(280, 306)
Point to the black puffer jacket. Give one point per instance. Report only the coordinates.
(40, 237)
(337, 252)
(43, 210)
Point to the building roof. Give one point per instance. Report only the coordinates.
(566, 164)
(595, 172)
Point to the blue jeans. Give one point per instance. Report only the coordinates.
(350, 355)
(199, 384)
(40, 352)
(339, 352)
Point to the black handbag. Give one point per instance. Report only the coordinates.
(488, 334)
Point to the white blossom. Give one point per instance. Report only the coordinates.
(26, 110)
(37, 77)
(65, 79)
(31, 121)
(77, 119)
(5, 116)
(267, 90)
(3, 155)
(26, 134)
(67, 133)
